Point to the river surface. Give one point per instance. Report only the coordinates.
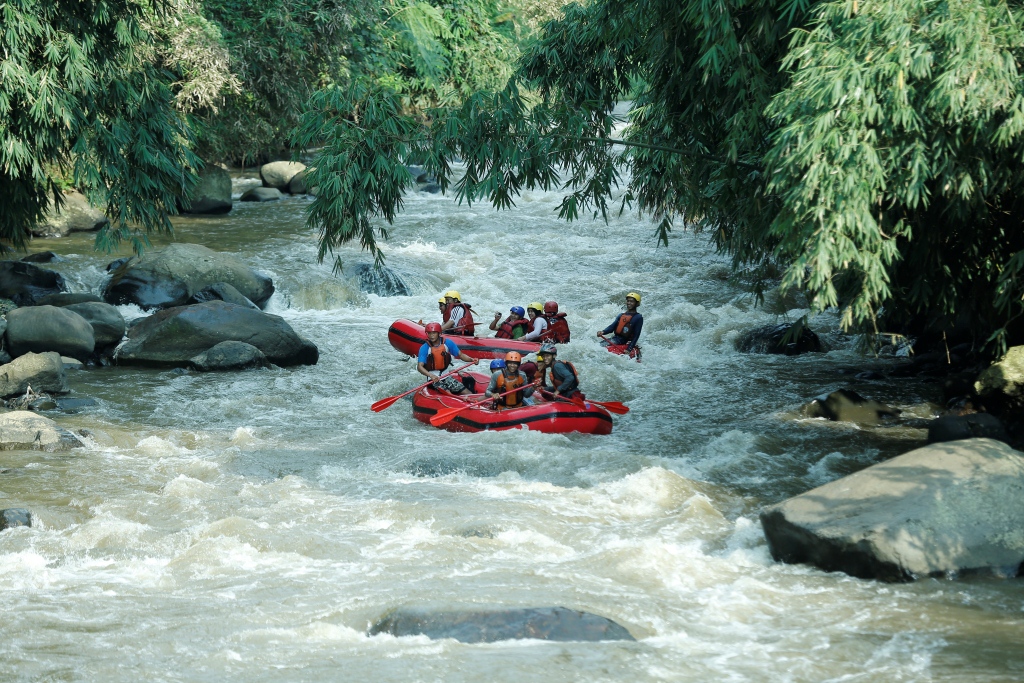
(250, 526)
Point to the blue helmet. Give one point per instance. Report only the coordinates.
(497, 364)
(519, 310)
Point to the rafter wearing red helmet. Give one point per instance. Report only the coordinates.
(436, 356)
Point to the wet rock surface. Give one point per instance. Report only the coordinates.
(49, 328)
(775, 339)
(41, 257)
(25, 284)
(221, 291)
(67, 299)
(213, 193)
(972, 426)
(262, 194)
(229, 355)
(171, 276)
(380, 281)
(108, 324)
(941, 510)
(77, 215)
(488, 626)
(14, 517)
(173, 337)
(845, 405)
(41, 371)
(22, 429)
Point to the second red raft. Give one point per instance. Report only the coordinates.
(408, 337)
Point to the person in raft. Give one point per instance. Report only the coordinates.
(457, 316)
(564, 379)
(440, 307)
(436, 356)
(557, 329)
(626, 327)
(512, 327)
(538, 324)
(507, 379)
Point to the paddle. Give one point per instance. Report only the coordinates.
(611, 406)
(447, 414)
(391, 400)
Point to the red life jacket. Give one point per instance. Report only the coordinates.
(439, 357)
(467, 326)
(507, 329)
(513, 400)
(622, 327)
(558, 329)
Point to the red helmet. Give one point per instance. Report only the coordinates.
(513, 357)
(551, 307)
(432, 327)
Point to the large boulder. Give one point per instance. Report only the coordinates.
(171, 276)
(779, 339)
(212, 194)
(297, 185)
(229, 355)
(261, 194)
(279, 173)
(940, 510)
(221, 291)
(14, 517)
(108, 326)
(381, 280)
(174, 336)
(488, 626)
(48, 328)
(25, 284)
(845, 405)
(44, 372)
(77, 215)
(25, 430)
(970, 426)
(1005, 377)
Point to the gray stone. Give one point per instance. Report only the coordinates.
(174, 336)
(77, 215)
(777, 339)
(940, 510)
(212, 194)
(262, 194)
(108, 324)
(845, 405)
(25, 284)
(1005, 377)
(75, 405)
(229, 355)
(48, 328)
(221, 291)
(25, 430)
(297, 185)
(278, 174)
(71, 363)
(380, 281)
(171, 276)
(431, 188)
(971, 426)
(12, 517)
(67, 299)
(487, 626)
(41, 257)
(41, 371)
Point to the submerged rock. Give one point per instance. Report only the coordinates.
(971, 426)
(212, 194)
(937, 511)
(173, 337)
(25, 284)
(488, 626)
(221, 291)
(22, 429)
(12, 517)
(41, 257)
(229, 355)
(48, 328)
(77, 215)
(772, 339)
(278, 174)
(381, 281)
(845, 405)
(41, 371)
(262, 194)
(171, 276)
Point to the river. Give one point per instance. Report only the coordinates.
(250, 526)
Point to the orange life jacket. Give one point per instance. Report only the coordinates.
(466, 327)
(508, 328)
(622, 327)
(439, 357)
(558, 329)
(515, 399)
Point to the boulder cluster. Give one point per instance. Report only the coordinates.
(213, 194)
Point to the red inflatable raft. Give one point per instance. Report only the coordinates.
(408, 337)
(550, 417)
(620, 350)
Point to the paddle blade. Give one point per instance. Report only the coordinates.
(614, 407)
(385, 403)
(446, 415)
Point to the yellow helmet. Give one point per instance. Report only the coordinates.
(633, 295)
(442, 300)
(537, 306)
(453, 294)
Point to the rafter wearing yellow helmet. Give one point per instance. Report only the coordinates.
(627, 326)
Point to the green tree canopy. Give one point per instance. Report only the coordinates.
(81, 101)
(870, 151)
